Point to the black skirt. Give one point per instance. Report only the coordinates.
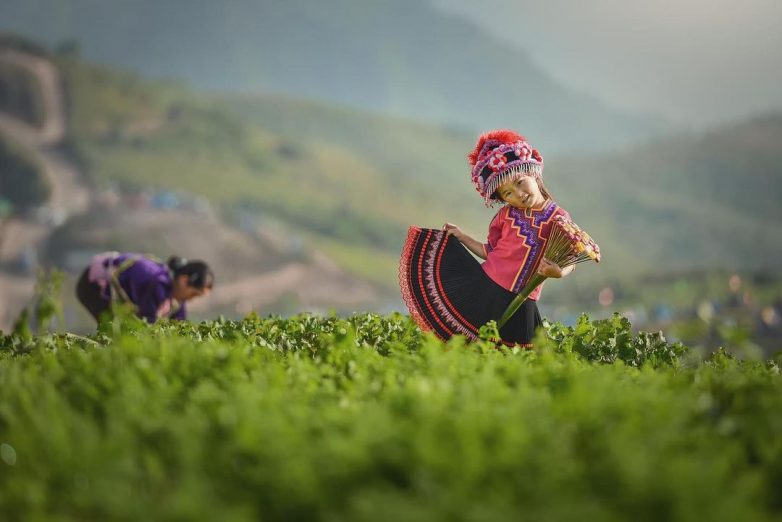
(448, 293)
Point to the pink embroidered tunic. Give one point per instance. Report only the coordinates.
(517, 238)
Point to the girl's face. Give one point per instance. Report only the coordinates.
(522, 192)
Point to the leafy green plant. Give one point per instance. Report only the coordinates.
(48, 298)
(609, 340)
(366, 417)
(45, 306)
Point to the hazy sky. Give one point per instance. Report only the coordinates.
(696, 62)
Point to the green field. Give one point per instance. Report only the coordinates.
(365, 418)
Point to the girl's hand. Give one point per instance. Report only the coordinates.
(450, 228)
(476, 247)
(549, 269)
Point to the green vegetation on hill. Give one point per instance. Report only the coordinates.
(353, 181)
(361, 179)
(413, 152)
(685, 202)
(364, 418)
(350, 186)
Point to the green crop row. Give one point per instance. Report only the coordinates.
(367, 418)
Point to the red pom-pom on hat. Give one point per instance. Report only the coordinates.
(492, 139)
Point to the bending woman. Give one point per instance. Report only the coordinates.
(156, 290)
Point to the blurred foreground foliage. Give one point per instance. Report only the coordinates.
(366, 417)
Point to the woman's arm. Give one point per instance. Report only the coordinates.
(473, 245)
(147, 299)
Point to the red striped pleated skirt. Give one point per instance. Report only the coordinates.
(448, 292)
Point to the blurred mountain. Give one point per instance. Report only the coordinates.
(710, 200)
(402, 58)
(349, 182)
(346, 181)
(707, 200)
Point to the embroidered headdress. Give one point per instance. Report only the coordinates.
(499, 156)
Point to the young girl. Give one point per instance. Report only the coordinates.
(446, 289)
(155, 289)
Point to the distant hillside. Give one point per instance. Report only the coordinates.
(686, 201)
(351, 201)
(710, 200)
(403, 58)
(417, 158)
(350, 182)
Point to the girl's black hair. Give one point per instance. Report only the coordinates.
(198, 273)
(541, 186)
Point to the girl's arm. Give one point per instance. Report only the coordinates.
(473, 245)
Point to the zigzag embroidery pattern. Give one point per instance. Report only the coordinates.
(531, 237)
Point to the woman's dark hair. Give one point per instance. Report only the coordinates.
(198, 273)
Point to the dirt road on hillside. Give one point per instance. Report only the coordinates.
(316, 286)
(250, 275)
(53, 128)
(68, 196)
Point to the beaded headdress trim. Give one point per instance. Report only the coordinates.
(505, 162)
